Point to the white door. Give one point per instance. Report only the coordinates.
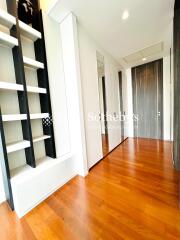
(90, 100)
(113, 106)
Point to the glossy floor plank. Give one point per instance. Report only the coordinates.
(105, 144)
(132, 194)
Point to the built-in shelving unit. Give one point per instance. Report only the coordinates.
(22, 120)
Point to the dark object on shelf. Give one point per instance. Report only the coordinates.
(25, 11)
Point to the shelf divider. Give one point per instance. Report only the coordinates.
(13, 147)
(28, 31)
(41, 138)
(7, 41)
(32, 89)
(39, 115)
(14, 117)
(31, 63)
(11, 86)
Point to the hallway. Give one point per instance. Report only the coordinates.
(131, 194)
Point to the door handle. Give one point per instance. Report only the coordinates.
(159, 114)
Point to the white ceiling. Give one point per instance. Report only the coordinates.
(145, 53)
(150, 22)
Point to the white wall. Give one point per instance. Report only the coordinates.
(128, 103)
(172, 95)
(70, 57)
(113, 103)
(57, 86)
(167, 97)
(125, 101)
(89, 77)
(2, 193)
(46, 4)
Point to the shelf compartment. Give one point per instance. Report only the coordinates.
(39, 115)
(20, 174)
(7, 41)
(6, 19)
(14, 117)
(13, 147)
(36, 90)
(41, 138)
(31, 63)
(29, 32)
(11, 86)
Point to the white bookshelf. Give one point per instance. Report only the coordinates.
(41, 138)
(7, 41)
(14, 117)
(11, 86)
(23, 137)
(6, 19)
(13, 147)
(29, 32)
(36, 90)
(31, 63)
(39, 115)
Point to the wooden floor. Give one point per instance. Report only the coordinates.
(131, 194)
(105, 144)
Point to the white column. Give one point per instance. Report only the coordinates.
(129, 127)
(166, 97)
(70, 52)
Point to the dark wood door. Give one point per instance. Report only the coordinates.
(104, 104)
(176, 55)
(121, 105)
(147, 84)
